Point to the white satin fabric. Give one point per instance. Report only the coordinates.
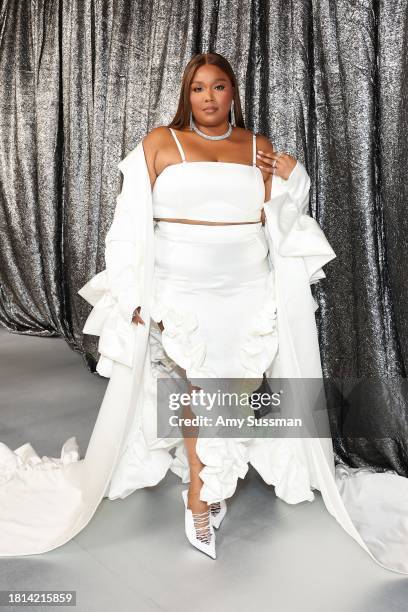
(239, 195)
(214, 293)
(44, 502)
(208, 190)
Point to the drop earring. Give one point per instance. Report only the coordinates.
(232, 113)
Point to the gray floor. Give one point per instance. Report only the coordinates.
(134, 556)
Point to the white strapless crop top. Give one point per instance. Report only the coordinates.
(209, 191)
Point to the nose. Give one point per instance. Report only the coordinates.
(208, 94)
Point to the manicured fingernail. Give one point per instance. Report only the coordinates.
(259, 151)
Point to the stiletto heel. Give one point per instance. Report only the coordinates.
(199, 530)
(218, 511)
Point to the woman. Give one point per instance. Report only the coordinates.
(216, 273)
(196, 287)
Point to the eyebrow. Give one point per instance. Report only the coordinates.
(214, 81)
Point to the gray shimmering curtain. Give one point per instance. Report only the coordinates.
(82, 81)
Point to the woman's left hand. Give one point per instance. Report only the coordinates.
(278, 164)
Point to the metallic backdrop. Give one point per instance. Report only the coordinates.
(82, 81)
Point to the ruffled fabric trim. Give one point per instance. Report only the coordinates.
(226, 459)
(261, 344)
(25, 458)
(291, 232)
(178, 339)
(257, 353)
(281, 463)
(106, 320)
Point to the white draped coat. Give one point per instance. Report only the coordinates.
(44, 502)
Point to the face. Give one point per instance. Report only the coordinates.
(210, 87)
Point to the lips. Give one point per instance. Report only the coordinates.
(210, 109)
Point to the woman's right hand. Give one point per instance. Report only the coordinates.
(136, 316)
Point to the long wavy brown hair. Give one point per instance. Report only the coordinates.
(182, 117)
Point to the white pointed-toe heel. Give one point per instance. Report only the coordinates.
(199, 530)
(218, 511)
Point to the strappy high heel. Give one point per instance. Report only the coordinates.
(218, 511)
(199, 529)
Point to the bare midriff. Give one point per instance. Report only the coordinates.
(205, 222)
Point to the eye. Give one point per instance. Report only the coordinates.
(198, 87)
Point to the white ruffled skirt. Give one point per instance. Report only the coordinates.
(214, 292)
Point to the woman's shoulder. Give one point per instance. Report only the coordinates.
(155, 137)
(154, 140)
(262, 141)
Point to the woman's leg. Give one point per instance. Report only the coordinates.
(195, 504)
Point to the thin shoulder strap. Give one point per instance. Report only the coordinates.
(180, 148)
(254, 149)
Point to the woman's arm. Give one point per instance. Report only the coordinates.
(151, 144)
(123, 248)
(117, 291)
